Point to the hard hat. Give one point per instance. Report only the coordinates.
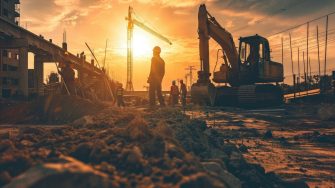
(157, 49)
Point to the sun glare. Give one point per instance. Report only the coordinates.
(143, 43)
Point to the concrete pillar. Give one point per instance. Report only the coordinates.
(38, 74)
(23, 71)
(1, 71)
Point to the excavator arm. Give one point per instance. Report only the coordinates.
(241, 74)
(209, 27)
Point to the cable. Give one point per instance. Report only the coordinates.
(270, 15)
(294, 27)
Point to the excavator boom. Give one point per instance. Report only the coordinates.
(209, 27)
(249, 71)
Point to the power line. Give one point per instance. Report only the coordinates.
(270, 15)
(294, 27)
(303, 39)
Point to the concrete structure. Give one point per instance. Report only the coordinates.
(9, 58)
(16, 42)
(10, 10)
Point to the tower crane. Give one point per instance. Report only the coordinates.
(131, 22)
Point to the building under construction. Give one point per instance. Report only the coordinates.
(9, 58)
(15, 44)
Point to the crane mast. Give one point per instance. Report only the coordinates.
(130, 29)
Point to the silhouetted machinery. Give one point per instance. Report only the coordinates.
(247, 74)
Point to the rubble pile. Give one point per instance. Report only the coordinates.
(128, 148)
(53, 109)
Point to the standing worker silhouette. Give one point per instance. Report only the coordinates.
(183, 93)
(156, 75)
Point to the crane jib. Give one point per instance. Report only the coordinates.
(148, 29)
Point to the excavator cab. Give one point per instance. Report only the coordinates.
(254, 64)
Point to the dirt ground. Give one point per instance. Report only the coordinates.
(295, 141)
(130, 147)
(104, 146)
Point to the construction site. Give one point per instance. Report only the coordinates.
(223, 94)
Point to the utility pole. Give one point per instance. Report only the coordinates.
(307, 55)
(282, 51)
(305, 76)
(299, 68)
(317, 40)
(326, 43)
(191, 69)
(292, 64)
(186, 81)
(104, 65)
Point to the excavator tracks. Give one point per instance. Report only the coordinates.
(259, 95)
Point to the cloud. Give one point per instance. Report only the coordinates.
(168, 3)
(60, 12)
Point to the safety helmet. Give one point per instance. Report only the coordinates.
(156, 49)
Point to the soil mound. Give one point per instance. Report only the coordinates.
(137, 149)
(55, 109)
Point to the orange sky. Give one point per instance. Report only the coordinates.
(94, 21)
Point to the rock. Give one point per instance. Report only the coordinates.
(228, 148)
(82, 152)
(134, 156)
(138, 130)
(283, 141)
(326, 112)
(213, 167)
(229, 179)
(15, 162)
(296, 184)
(268, 134)
(330, 139)
(99, 152)
(131, 160)
(243, 148)
(173, 177)
(219, 154)
(199, 180)
(6, 145)
(31, 130)
(174, 151)
(4, 178)
(83, 122)
(27, 143)
(66, 174)
(5, 135)
(154, 147)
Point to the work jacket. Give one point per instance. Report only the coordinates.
(174, 90)
(183, 89)
(157, 70)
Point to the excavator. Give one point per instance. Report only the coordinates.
(247, 74)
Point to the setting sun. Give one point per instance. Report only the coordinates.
(143, 43)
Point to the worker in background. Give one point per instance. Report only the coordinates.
(174, 93)
(68, 75)
(156, 75)
(183, 93)
(119, 95)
